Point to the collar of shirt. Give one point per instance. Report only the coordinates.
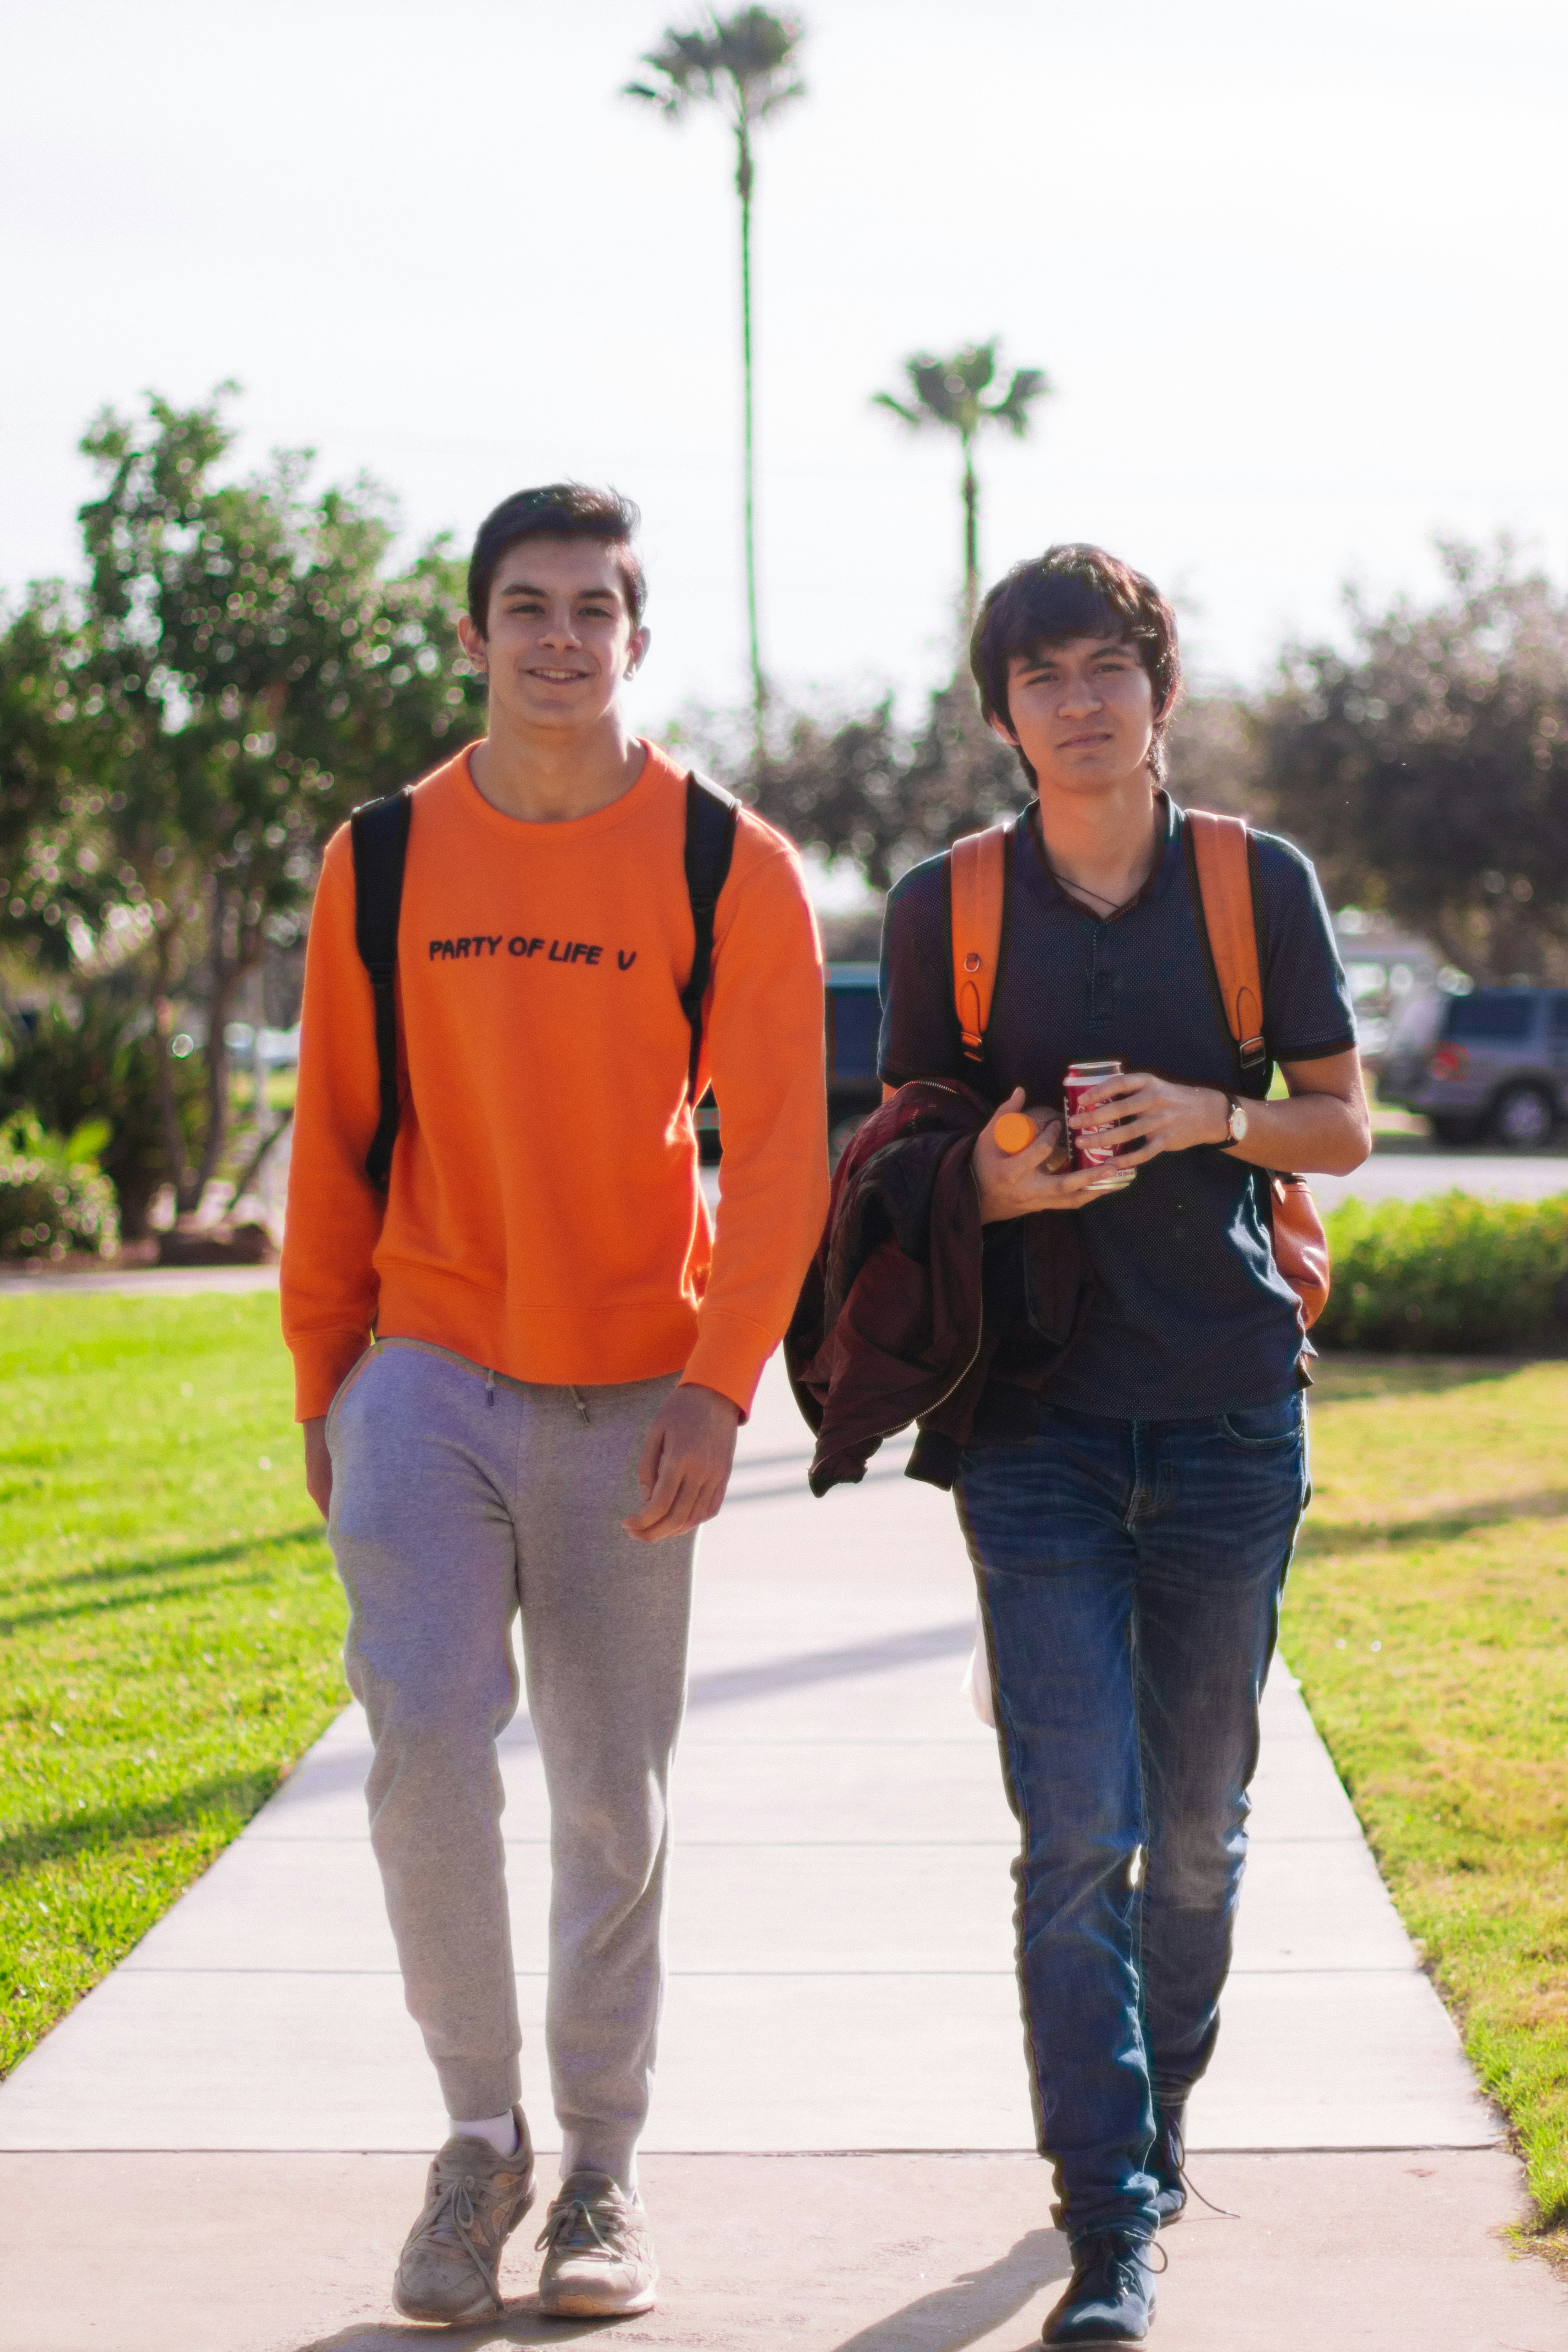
(1170, 840)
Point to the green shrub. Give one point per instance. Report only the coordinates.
(52, 1197)
(96, 1060)
(1451, 1275)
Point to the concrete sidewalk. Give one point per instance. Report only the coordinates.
(238, 2118)
(1402, 1171)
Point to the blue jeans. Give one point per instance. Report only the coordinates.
(1130, 1574)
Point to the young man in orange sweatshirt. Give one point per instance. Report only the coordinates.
(520, 1369)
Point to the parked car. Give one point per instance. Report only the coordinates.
(279, 1047)
(854, 1024)
(853, 1021)
(1495, 1063)
(1390, 972)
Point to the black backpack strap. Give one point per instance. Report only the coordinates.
(379, 835)
(711, 814)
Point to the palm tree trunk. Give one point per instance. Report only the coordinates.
(971, 539)
(743, 179)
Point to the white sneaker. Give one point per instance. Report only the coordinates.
(599, 2257)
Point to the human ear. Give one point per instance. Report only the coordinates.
(472, 641)
(1003, 732)
(637, 650)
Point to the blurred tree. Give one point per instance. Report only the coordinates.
(36, 644)
(866, 791)
(1426, 769)
(950, 393)
(1215, 760)
(237, 672)
(746, 65)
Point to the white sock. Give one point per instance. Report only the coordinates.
(501, 2131)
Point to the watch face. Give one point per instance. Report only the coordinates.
(1237, 1122)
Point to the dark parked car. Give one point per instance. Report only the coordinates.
(853, 1019)
(1497, 1064)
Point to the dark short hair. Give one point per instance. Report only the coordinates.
(1075, 591)
(558, 510)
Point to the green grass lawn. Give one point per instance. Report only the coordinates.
(170, 1621)
(170, 1627)
(1427, 1619)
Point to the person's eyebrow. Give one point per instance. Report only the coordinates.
(519, 588)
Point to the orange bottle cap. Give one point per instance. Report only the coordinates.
(1014, 1131)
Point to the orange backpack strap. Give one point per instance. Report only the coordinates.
(977, 874)
(1219, 860)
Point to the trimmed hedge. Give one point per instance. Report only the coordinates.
(1448, 1275)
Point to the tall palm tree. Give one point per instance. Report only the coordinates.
(951, 392)
(746, 66)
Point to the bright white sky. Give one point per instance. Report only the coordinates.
(1296, 274)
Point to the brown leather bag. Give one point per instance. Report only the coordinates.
(1229, 911)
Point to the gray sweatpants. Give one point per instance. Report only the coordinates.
(459, 1497)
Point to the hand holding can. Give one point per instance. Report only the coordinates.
(1092, 1147)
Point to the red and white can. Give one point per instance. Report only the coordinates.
(1092, 1148)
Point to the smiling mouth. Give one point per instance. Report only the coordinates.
(560, 676)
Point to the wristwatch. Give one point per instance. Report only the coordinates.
(1237, 1126)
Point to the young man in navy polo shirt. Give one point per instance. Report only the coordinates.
(1132, 1546)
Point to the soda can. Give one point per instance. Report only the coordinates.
(1096, 1148)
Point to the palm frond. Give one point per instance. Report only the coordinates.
(950, 391)
(747, 59)
(1028, 385)
(668, 101)
(938, 388)
(782, 96)
(974, 366)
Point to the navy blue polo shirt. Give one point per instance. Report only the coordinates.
(1192, 1317)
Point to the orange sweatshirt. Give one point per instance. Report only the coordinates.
(544, 1216)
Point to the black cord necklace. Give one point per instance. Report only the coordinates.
(1080, 890)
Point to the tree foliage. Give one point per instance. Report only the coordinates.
(36, 688)
(746, 64)
(1214, 758)
(882, 796)
(951, 394)
(180, 735)
(1427, 768)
